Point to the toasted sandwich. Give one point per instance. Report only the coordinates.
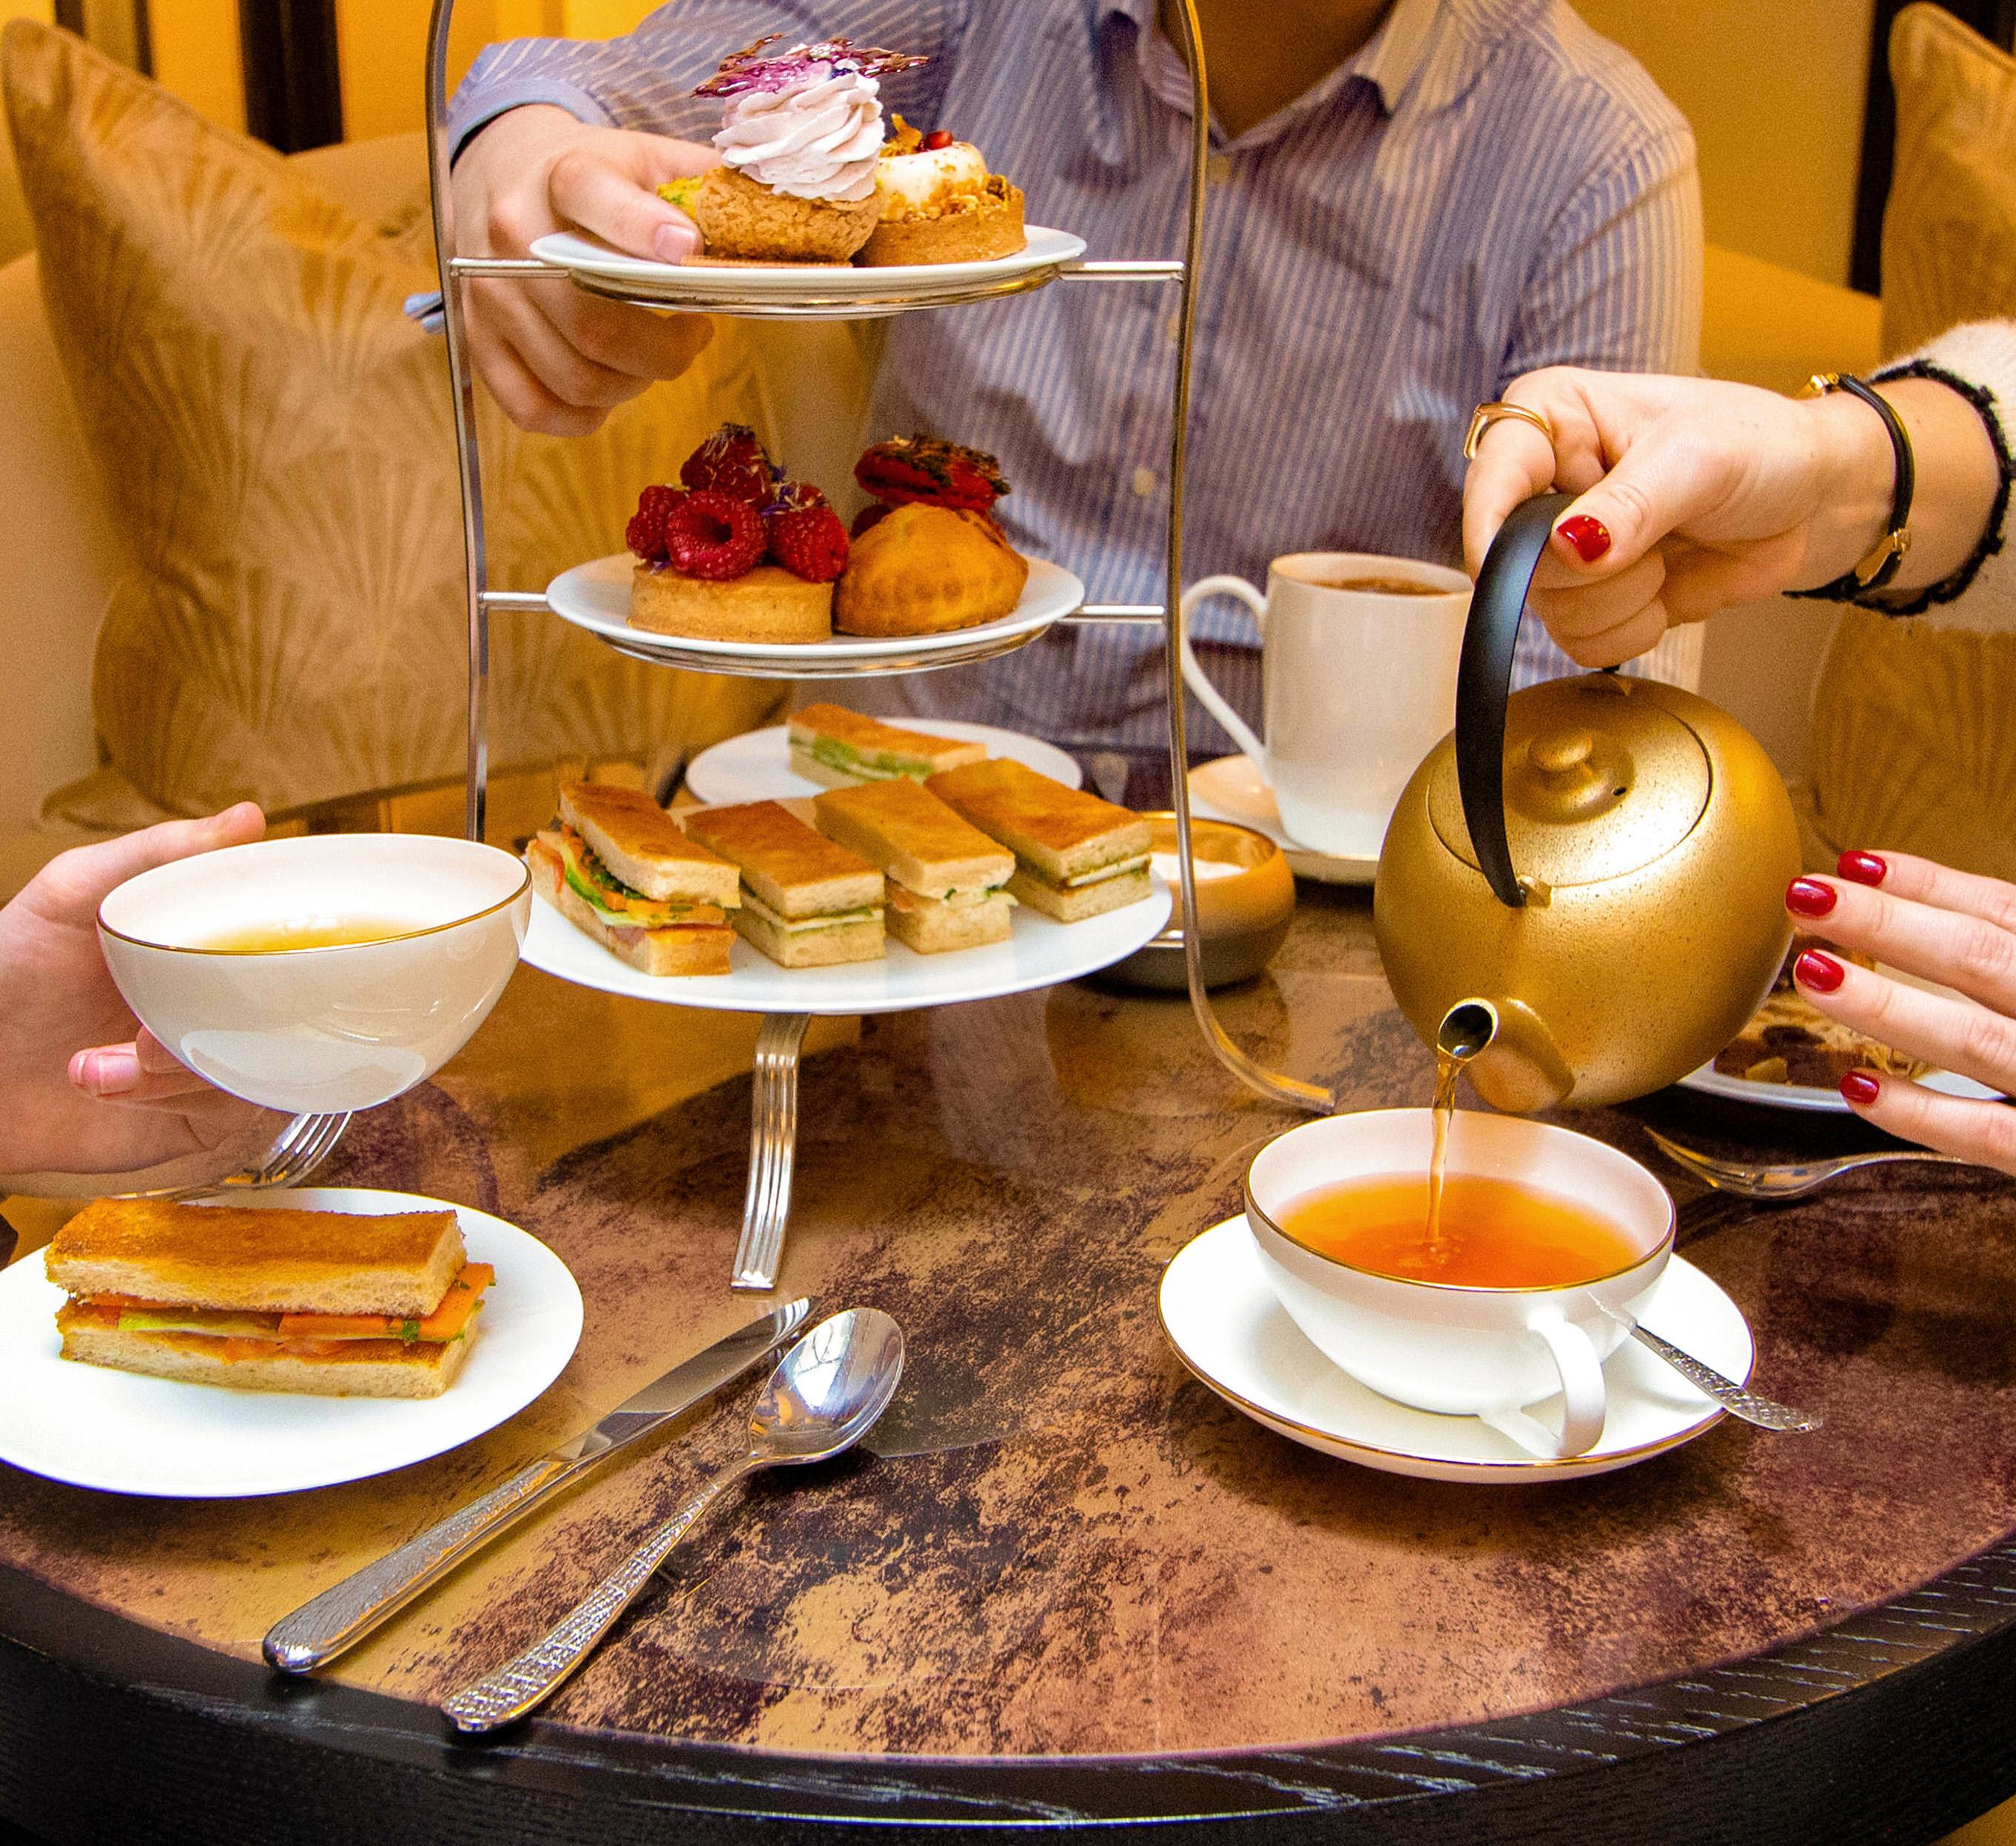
(837, 748)
(618, 868)
(947, 881)
(1075, 856)
(806, 903)
(337, 1303)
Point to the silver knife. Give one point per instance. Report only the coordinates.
(343, 1615)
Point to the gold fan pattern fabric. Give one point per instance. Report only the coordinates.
(276, 441)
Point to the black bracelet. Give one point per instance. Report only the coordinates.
(1875, 569)
(1986, 408)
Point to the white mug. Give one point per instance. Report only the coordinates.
(1464, 1351)
(1358, 686)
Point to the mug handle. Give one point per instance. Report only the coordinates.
(1207, 695)
(1583, 1405)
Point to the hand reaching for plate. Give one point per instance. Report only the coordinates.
(124, 1104)
(558, 359)
(1941, 925)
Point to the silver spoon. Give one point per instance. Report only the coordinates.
(1788, 1179)
(823, 1397)
(1767, 1413)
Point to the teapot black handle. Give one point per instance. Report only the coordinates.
(1484, 683)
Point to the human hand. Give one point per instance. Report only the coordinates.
(557, 359)
(123, 1103)
(1942, 925)
(1694, 495)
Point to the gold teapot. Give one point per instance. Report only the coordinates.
(1584, 886)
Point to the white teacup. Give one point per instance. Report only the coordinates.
(313, 1030)
(1358, 685)
(1465, 1351)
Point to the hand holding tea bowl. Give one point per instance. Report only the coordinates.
(323, 974)
(1474, 1325)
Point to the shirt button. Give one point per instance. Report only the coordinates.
(1218, 168)
(1144, 482)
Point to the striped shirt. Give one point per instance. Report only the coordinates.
(1487, 187)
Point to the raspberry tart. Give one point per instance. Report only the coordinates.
(929, 555)
(939, 204)
(735, 553)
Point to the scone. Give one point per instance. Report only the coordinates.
(922, 569)
(939, 204)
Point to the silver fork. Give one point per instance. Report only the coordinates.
(1787, 1179)
(297, 1152)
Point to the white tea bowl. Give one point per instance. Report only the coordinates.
(312, 1031)
(1458, 1349)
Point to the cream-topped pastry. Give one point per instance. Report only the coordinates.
(911, 184)
(939, 204)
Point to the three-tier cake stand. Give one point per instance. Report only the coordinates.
(774, 1124)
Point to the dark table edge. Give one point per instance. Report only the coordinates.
(1895, 1724)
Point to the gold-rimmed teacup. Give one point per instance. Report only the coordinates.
(325, 1029)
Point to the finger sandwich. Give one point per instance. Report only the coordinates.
(618, 868)
(337, 1303)
(1075, 856)
(837, 748)
(947, 881)
(806, 903)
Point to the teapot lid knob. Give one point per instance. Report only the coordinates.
(1560, 752)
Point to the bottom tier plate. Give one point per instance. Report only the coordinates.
(1040, 954)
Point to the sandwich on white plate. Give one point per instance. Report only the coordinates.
(1075, 856)
(333, 1303)
(947, 881)
(837, 748)
(618, 867)
(806, 903)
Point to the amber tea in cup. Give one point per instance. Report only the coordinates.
(1377, 586)
(1493, 1233)
(303, 932)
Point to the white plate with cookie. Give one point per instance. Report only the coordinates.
(596, 596)
(120, 1433)
(836, 290)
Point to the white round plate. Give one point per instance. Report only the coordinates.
(596, 596)
(1233, 789)
(1228, 1327)
(757, 766)
(1711, 1082)
(125, 1434)
(1040, 954)
(816, 291)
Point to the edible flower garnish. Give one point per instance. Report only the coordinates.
(748, 69)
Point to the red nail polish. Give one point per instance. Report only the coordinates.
(1860, 1087)
(1589, 537)
(1864, 868)
(1820, 972)
(1808, 897)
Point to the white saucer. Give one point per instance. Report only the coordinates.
(814, 290)
(125, 1434)
(1228, 1327)
(596, 596)
(1233, 789)
(757, 766)
(1711, 1082)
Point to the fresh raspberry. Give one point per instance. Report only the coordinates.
(810, 542)
(793, 496)
(713, 536)
(732, 461)
(907, 468)
(645, 535)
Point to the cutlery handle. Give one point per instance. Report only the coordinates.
(1765, 1412)
(345, 1613)
(532, 1677)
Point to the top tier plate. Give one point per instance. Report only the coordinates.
(810, 291)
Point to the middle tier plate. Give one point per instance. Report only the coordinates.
(1040, 954)
(596, 596)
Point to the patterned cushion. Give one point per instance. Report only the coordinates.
(276, 442)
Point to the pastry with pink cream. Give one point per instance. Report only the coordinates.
(939, 204)
(799, 140)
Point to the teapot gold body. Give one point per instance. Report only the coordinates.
(1602, 861)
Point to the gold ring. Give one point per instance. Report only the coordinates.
(1485, 415)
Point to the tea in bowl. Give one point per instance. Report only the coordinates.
(322, 974)
(1548, 1243)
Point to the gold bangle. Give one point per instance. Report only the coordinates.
(1485, 415)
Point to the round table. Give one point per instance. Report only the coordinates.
(1073, 1586)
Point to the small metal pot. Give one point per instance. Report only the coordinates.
(1243, 913)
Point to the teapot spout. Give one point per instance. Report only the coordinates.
(1509, 1057)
